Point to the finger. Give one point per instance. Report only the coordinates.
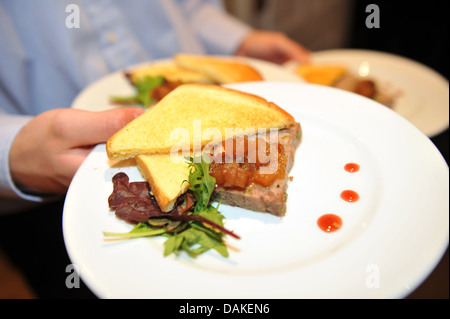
(69, 162)
(295, 51)
(90, 128)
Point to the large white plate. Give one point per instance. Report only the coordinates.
(96, 97)
(391, 239)
(423, 93)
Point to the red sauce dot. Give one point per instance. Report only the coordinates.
(351, 167)
(329, 223)
(350, 196)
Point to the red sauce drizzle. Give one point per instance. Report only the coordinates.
(329, 223)
(351, 167)
(350, 196)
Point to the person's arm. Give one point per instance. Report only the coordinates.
(40, 160)
(47, 152)
(272, 46)
(12, 198)
(10, 125)
(219, 32)
(222, 33)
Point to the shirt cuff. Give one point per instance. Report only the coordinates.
(10, 195)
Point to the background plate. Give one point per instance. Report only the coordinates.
(96, 97)
(423, 93)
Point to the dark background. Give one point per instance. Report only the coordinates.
(34, 240)
(417, 30)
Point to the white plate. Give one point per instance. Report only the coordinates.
(96, 97)
(424, 93)
(391, 239)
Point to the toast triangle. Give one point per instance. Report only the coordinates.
(167, 177)
(222, 71)
(205, 112)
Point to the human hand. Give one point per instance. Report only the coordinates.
(48, 151)
(272, 46)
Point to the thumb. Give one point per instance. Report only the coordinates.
(98, 127)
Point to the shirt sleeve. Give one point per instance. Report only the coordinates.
(218, 31)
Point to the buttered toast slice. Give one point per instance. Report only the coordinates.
(167, 177)
(222, 71)
(189, 68)
(210, 113)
